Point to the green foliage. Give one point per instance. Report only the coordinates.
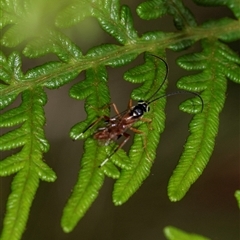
(143, 150)
(172, 233)
(231, 4)
(23, 26)
(91, 177)
(152, 9)
(27, 163)
(218, 63)
(115, 20)
(28, 19)
(237, 196)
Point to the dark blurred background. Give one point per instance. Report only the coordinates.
(209, 208)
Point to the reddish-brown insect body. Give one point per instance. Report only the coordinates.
(117, 126)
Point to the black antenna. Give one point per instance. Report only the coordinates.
(173, 93)
(165, 77)
(179, 92)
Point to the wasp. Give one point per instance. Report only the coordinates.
(116, 127)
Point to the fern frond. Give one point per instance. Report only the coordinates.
(75, 12)
(114, 20)
(46, 73)
(152, 9)
(10, 73)
(100, 52)
(143, 150)
(97, 98)
(35, 24)
(231, 4)
(173, 233)
(217, 63)
(182, 17)
(223, 24)
(28, 20)
(237, 196)
(90, 180)
(87, 187)
(27, 163)
(91, 176)
(53, 42)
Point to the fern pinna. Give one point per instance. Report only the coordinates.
(34, 29)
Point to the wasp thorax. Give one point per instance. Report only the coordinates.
(139, 109)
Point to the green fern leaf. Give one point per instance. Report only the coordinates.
(10, 71)
(120, 26)
(87, 187)
(172, 233)
(27, 162)
(204, 126)
(7, 100)
(224, 23)
(24, 187)
(45, 173)
(155, 36)
(33, 23)
(14, 116)
(89, 182)
(13, 164)
(101, 51)
(47, 71)
(5, 69)
(95, 82)
(183, 18)
(110, 170)
(28, 20)
(14, 63)
(14, 139)
(10, 40)
(237, 196)
(231, 4)
(114, 20)
(121, 159)
(152, 9)
(143, 150)
(141, 73)
(53, 42)
(5, 17)
(91, 176)
(75, 12)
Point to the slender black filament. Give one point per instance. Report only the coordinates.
(149, 101)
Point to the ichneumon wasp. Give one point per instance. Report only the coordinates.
(116, 127)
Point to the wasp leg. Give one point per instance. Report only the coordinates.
(144, 138)
(106, 106)
(130, 104)
(147, 120)
(127, 136)
(106, 118)
(115, 109)
(136, 130)
(142, 133)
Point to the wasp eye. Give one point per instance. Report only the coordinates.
(147, 109)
